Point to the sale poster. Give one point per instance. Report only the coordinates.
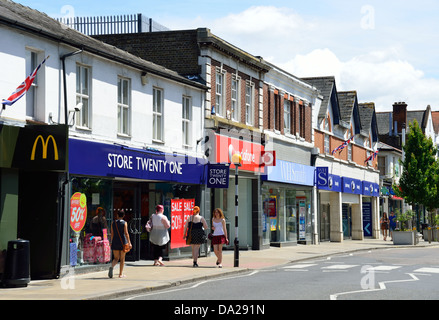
(181, 210)
(78, 211)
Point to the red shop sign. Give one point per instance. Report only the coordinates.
(249, 151)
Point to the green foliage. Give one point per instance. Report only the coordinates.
(403, 218)
(420, 179)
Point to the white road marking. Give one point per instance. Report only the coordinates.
(382, 286)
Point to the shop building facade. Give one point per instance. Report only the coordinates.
(130, 139)
(347, 195)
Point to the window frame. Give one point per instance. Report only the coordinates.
(287, 116)
(81, 97)
(220, 94)
(249, 103)
(121, 106)
(156, 115)
(186, 122)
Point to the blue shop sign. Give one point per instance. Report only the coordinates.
(111, 160)
(322, 176)
(334, 183)
(217, 176)
(290, 172)
(371, 189)
(351, 185)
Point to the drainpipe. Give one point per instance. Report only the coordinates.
(63, 194)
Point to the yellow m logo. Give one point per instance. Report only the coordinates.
(45, 144)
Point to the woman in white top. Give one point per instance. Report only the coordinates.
(159, 235)
(219, 235)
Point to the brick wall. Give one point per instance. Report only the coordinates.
(155, 47)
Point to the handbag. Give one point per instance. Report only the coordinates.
(210, 236)
(148, 225)
(126, 246)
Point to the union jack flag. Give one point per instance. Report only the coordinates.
(344, 144)
(372, 156)
(23, 87)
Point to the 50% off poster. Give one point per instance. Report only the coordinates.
(78, 211)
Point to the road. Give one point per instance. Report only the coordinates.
(389, 274)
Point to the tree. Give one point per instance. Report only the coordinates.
(420, 176)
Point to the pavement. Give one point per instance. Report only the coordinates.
(143, 277)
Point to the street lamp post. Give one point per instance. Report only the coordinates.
(236, 160)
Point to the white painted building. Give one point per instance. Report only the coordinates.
(122, 112)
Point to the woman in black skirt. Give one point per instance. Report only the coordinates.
(194, 232)
(119, 237)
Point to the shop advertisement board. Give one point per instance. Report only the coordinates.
(78, 211)
(249, 151)
(290, 172)
(33, 147)
(218, 176)
(367, 219)
(110, 160)
(351, 185)
(181, 210)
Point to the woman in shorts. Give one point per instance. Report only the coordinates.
(219, 235)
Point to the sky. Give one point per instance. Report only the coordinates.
(387, 51)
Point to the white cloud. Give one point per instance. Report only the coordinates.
(374, 62)
(377, 77)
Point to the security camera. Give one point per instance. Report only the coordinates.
(78, 106)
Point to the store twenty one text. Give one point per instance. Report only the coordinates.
(143, 164)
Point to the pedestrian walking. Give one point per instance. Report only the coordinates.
(384, 225)
(392, 224)
(219, 235)
(194, 233)
(119, 237)
(159, 235)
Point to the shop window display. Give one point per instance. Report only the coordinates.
(90, 220)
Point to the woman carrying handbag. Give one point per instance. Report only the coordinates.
(194, 233)
(159, 236)
(120, 243)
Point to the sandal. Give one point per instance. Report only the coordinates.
(122, 276)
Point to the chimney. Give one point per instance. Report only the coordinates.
(399, 115)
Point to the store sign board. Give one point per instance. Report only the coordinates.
(371, 189)
(290, 172)
(217, 176)
(351, 185)
(33, 147)
(98, 159)
(334, 183)
(181, 210)
(322, 176)
(78, 211)
(249, 151)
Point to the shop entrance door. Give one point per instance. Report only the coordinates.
(347, 221)
(126, 197)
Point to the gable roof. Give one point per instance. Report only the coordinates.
(349, 109)
(368, 119)
(17, 16)
(328, 89)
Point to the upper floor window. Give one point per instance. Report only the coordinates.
(249, 103)
(327, 144)
(350, 152)
(157, 115)
(83, 95)
(123, 105)
(235, 99)
(287, 116)
(31, 95)
(219, 94)
(186, 120)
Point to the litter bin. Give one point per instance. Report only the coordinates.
(17, 265)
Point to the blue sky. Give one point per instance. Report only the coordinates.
(385, 50)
